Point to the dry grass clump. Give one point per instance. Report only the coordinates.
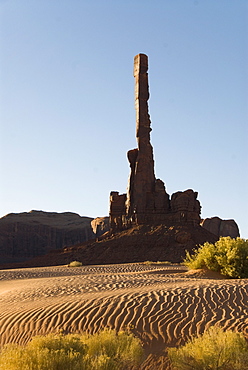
(157, 263)
(104, 351)
(75, 264)
(215, 349)
(227, 256)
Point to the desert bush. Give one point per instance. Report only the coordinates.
(215, 349)
(121, 351)
(75, 264)
(51, 352)
(227, 256)
(104, 351)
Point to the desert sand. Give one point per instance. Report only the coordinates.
(162, 305)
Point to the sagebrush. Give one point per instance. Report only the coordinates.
(106, 350)
(215, 349)
(227, 256)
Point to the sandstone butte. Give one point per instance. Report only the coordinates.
(146, 223)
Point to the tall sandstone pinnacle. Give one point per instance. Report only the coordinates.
(147, 201)
(142, 177)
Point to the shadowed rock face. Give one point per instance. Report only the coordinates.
(147, 201)
(220, 227)
(29, 234)
(135, 244)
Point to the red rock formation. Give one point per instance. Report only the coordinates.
(100, 225)
(142, 178)
(29, 234)
(117, 210)
(220, 227)
(185, 207)
(135, 244)
(147, 201)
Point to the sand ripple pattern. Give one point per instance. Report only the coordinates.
(40, 272)
(161, 307)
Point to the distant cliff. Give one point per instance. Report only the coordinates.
(30, 234)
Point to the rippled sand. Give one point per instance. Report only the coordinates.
(162, 305)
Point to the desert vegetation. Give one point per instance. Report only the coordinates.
(157, 263)
(103, 351)
(215, 349)
(75, 264)
(227, 256)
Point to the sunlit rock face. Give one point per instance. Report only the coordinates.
(100, 225)
(147, 201)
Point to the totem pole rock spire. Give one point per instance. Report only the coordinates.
(142, 177)
(141, 95)
(147, 201)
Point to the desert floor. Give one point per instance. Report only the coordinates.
(162, 305)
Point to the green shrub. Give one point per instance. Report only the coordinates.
(51, 352)
(120, 351)
(104, 351)
(214, 350)
(227, 256)
(75, 264)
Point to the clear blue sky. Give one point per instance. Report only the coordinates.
(67, 101)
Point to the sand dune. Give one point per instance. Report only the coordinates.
(161, 304)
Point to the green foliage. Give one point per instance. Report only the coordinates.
(118, 351)
(227, 256)
(42, 353)
(104, 351)
(75, 264)
(213, 350)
